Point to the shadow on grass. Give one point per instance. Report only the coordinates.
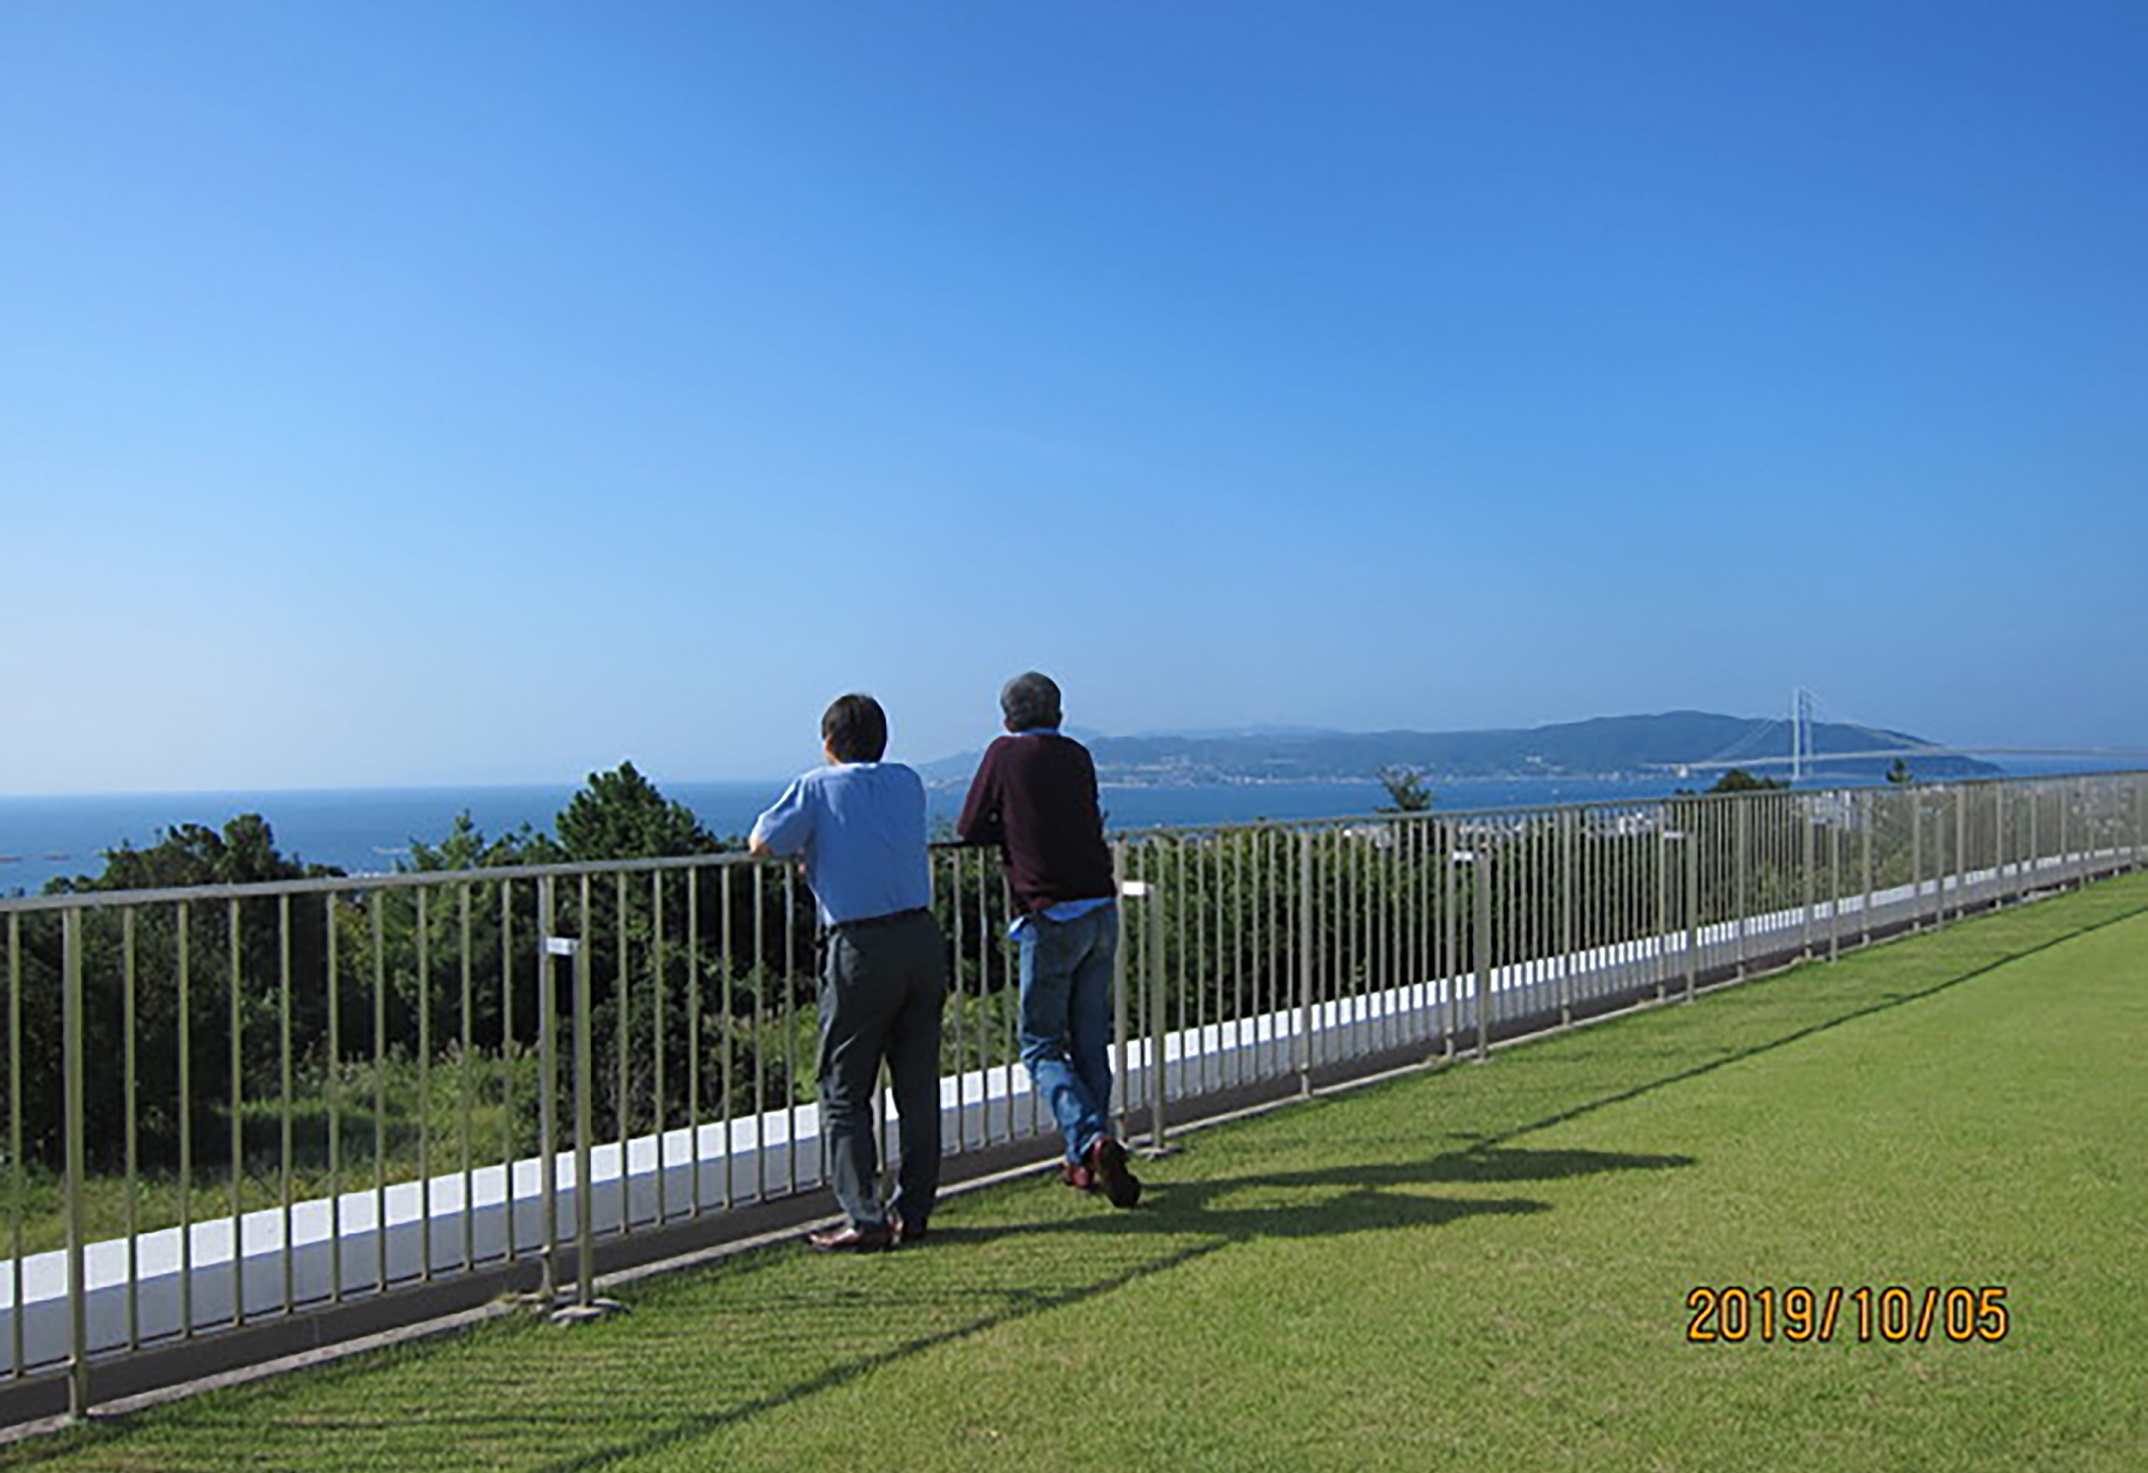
(1030, 1269)
(1886, 1003)
(1183, 1221)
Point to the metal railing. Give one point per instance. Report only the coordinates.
(227, 1106)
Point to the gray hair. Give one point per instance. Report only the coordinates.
(1030, 702)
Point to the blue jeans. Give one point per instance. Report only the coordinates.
(1066, 969)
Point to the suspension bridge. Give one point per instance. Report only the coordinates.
(1797, 730)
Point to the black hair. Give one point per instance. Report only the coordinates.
(855, 729)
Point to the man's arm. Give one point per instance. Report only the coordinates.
(784, 829)
(980, 820)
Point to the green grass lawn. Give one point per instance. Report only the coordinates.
(1482, 1268)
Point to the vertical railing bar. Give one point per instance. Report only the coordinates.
(1159, 1015)
(790, 1030)
(1866, 821)
(234, 931)
(14, 1137)
(967, 902)
(760, 1051)
(1741, 902)
(585, 1066)
(1305, 961)
(508, 1153)
(693, 1035)
(726, 966)
(1450, 964)
(1175, 921)
(656, 1028)
(1481, 880)
(184, 946)
(1120, 882)
(548, 1086)
(132, 1103)
(283, 1051)
(1690, 825)
(425, 1084)
(622, 1028)
(76, 1127)
(380, 1090)
(1216, 937)
(467, 1072)
(958, 1000)
(1241, 928)
(1834, 880)
(1666, 854)
(1353, 990)
(989, 925)
(1568, 818)
(1915, 802)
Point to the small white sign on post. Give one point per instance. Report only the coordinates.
(561, 946)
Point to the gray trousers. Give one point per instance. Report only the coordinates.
(882, 986)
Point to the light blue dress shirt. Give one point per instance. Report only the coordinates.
(860, 827)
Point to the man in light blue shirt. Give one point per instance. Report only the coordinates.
(858, 825)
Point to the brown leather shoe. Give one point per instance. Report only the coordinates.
(1107, 1162)
(1079, 1177)
(901, 1232)
(852, 1239)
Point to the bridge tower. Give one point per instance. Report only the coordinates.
(1801, 748)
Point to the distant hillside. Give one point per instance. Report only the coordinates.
(1601, 746)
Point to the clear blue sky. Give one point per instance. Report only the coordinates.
(487, 392)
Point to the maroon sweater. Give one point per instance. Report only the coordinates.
(1035, 797)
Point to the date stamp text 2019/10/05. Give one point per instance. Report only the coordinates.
(1803, 1315)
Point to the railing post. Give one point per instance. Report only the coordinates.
(1305, 962)
(1742, 837)
(1450, 950)
(2067, 869)
(1865, 819)
(1566, 917)
(78, 1353)
(584, 1087)
(1128, 890)
(1807, 864)
(2140, 818)
(1480, 948)
(1665, 838)
(1692, 847)
(1159, 1023)
(1916, 860)
(1483, 885)
(548, 947)
(1834, 879)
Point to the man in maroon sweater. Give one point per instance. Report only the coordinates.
(1035, 797)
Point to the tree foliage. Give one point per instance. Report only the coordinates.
(621, 815)
(1407, 791)
(1738, 780)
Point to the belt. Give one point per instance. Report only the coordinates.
(869, 923)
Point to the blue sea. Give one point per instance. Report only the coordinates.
(369, 829)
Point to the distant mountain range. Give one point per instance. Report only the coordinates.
(1599, 747)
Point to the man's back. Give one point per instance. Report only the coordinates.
(1035, 795)
(861, 829)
